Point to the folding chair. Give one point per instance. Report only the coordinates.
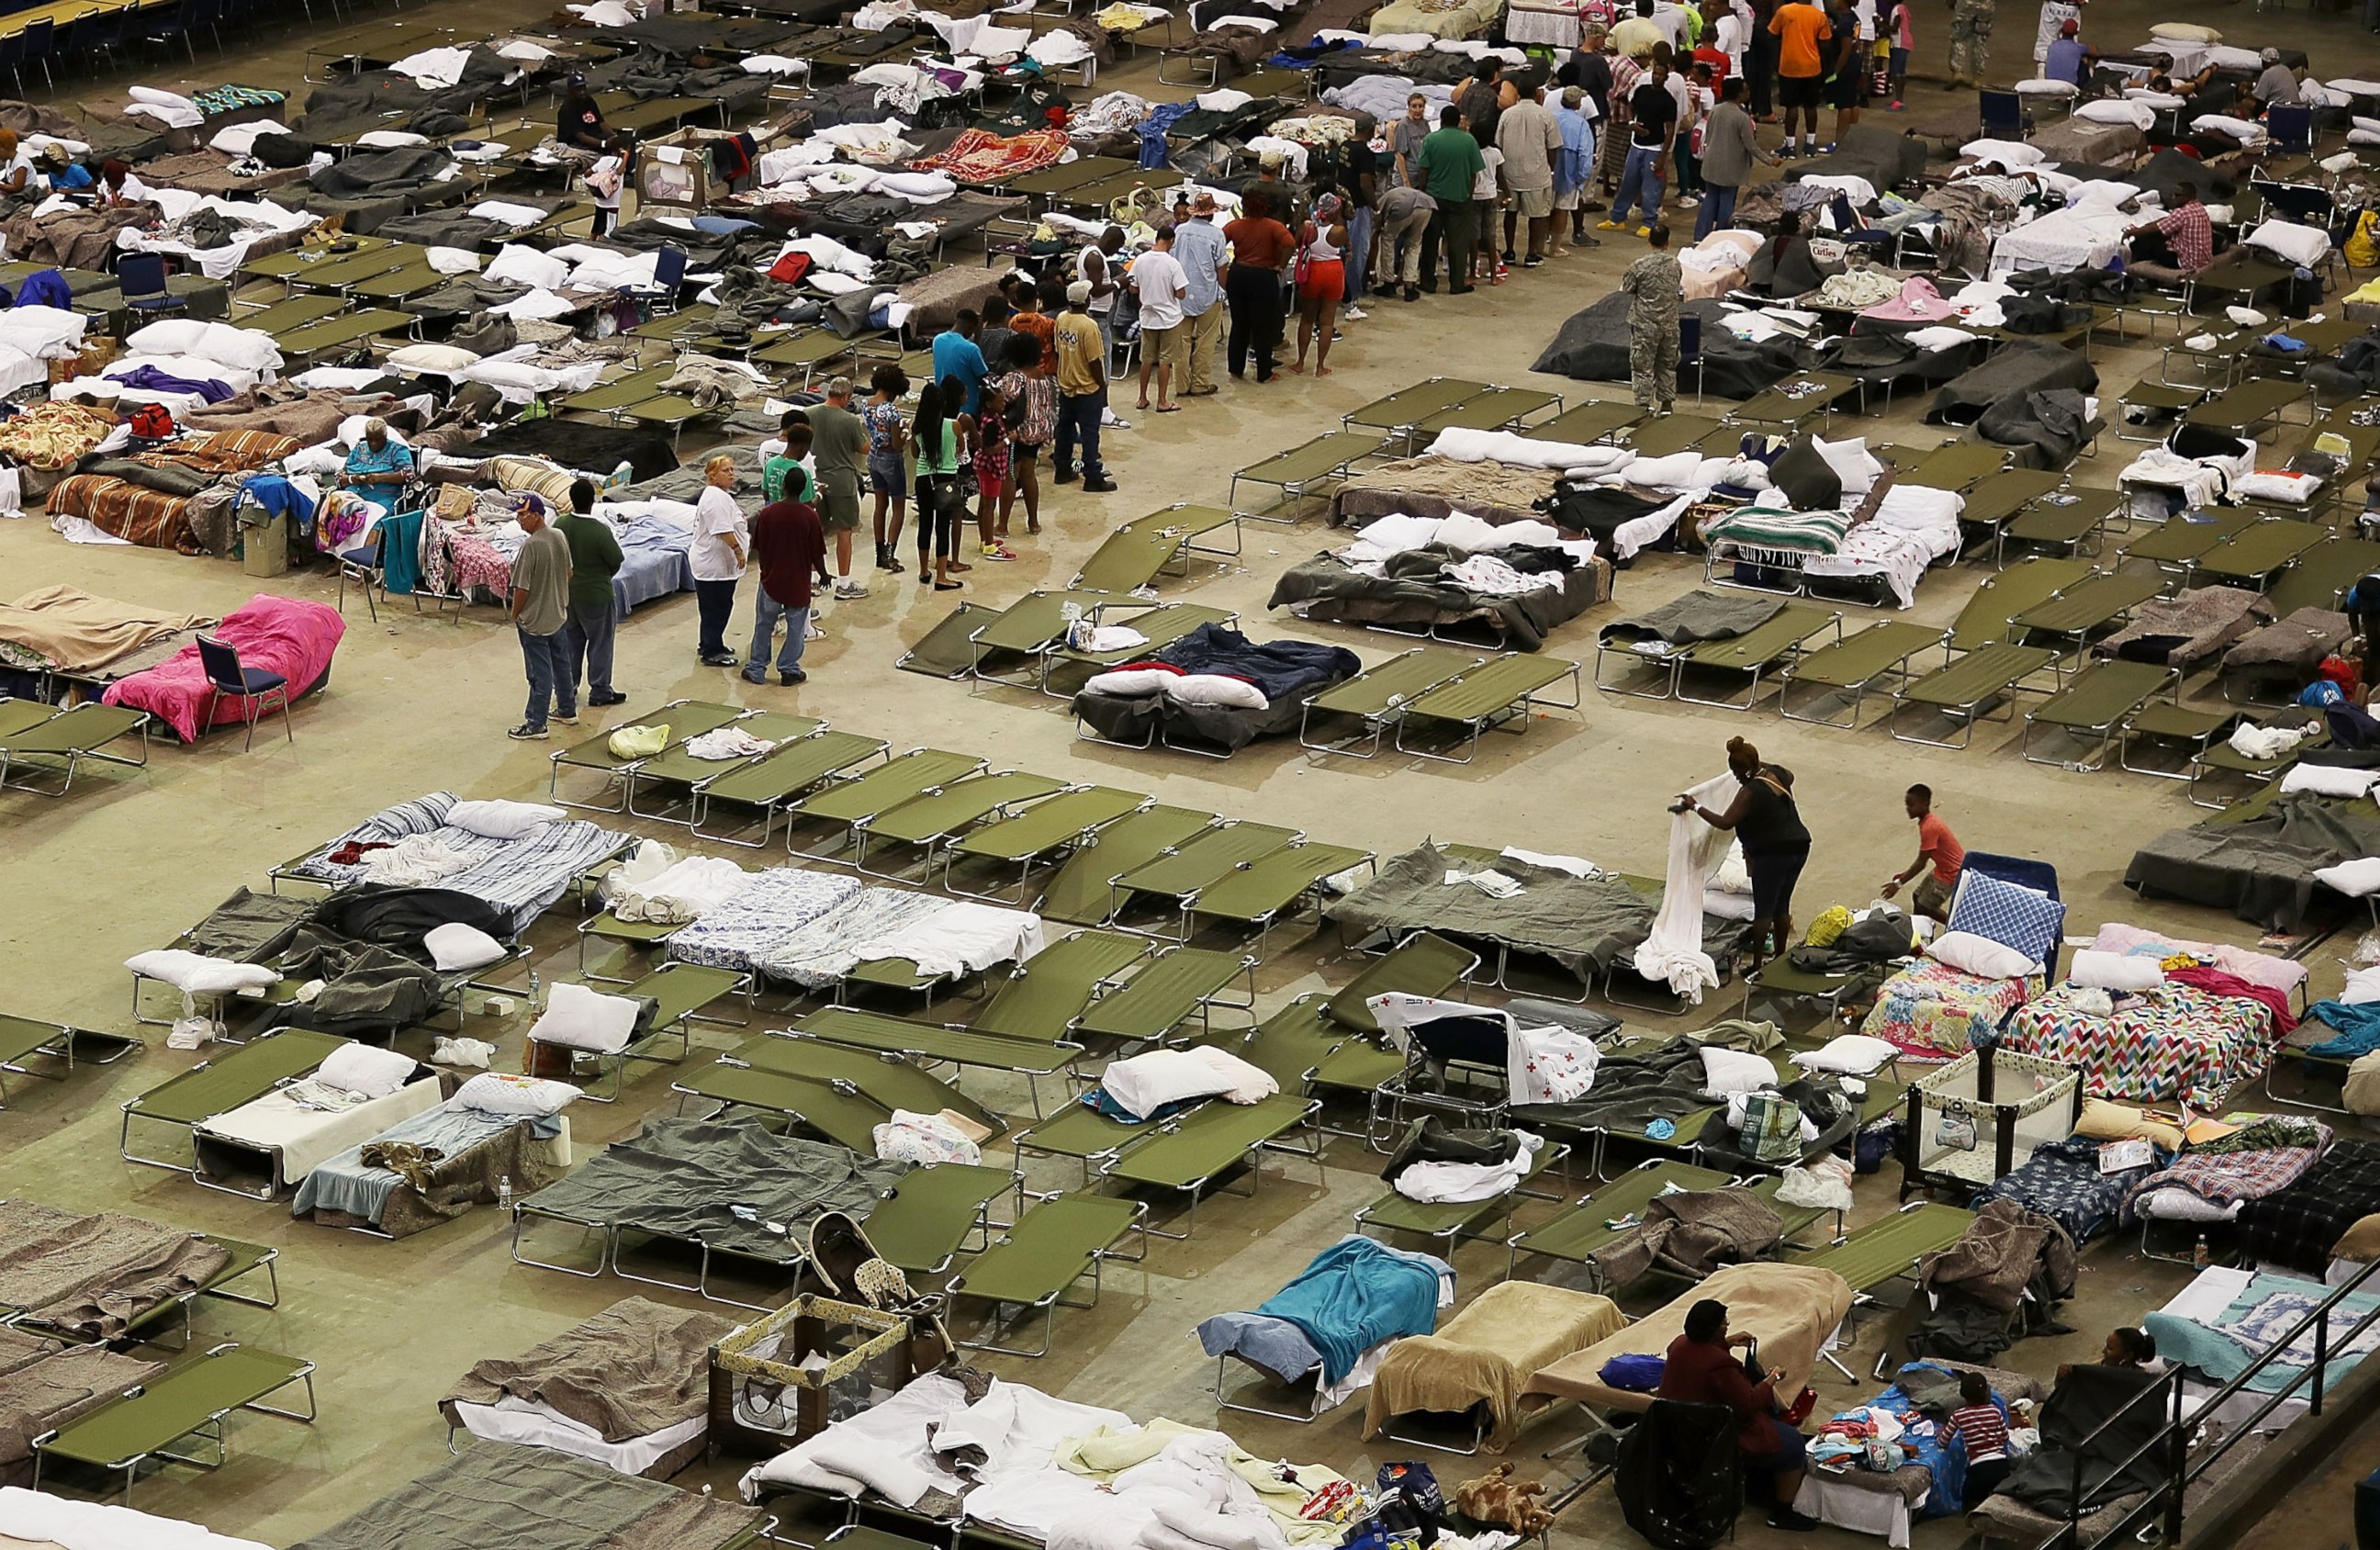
(2002, 116)
(669, 275)
(257, 690)
(142, 279)
(2097, 705)
(1851, 665)
(1061, 1240)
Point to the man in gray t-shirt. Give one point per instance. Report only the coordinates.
(540, 606)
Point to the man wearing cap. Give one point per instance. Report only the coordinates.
(578, 122)
(594, 560)
(1199, 247)
(538, 606)
(2067, 59)
(2276, 86)
(1701, 1368)
(1082, 389)
(839, 450)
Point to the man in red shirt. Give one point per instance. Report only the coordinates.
(1936, 848)
(789, 549)
(1703, 1369)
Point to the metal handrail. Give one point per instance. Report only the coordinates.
(2174, 1436)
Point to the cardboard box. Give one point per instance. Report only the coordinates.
(264, 546)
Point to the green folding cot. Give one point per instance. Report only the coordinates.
(947, 650)
(629, 935)
(683, 327)
(1061, 1240)
(1254, 896)
(1965, 689)
(1985, 618)
(1853, 665)
(341, 332)
(1046, 993)
(19, 714)
(806, 353)
(194, 1398)
(1323, 460)
(2219, 758)
(1671, 434)
(1058, 824)
(1159, 627)
(669, 411)
(1136, 555)
(1499, 408)
(1289, 1046)
(410, 279)
(24, 1039)
(1792, 1220)
(340, 273)
(767, 784)
(1207, 857)
(676, 770)
(2173, 726)
(1396, 414)
(684, 717)
(848, 804)
(1448, 1222)
(1164, 993)
(294, 313)
(678, 992)
(1790, 405)
(1375, 697)
(1026, 629)
(1766, 649)
(2096, 706)
(841, 1092)
(1087, 1135)
(936, 816)
(31, 759)
(1082, 891)
(282, 266)
(1886, 1250)
(2239, 410)
(2176, 543)
(221, 1083)
(2253, 556)
(1423, 964)
(1579, 1233)
(2064, 520)
(1592, 422)
(1045, 181)
(2086, 608)
(1780, 978)
(1501, 692)
(935, 1211)
(1194, 1150)
(948, 1043)
(609, 398)
(1962, 465)
(2323, 575)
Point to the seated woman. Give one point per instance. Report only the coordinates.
(1785, 266)
(379, 466)
(1702, 1369)
(2126, 1347)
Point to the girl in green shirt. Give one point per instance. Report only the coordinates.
(943, 438)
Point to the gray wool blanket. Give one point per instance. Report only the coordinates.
(1692, 1234)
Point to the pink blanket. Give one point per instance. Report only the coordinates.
(286, 636)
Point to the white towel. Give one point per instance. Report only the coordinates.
(1673, 952)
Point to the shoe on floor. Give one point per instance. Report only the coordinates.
(1643, 231)
(528, 733)
(570, 721)
(1508, 256)
(724, 658)
(1461, 290)
(599, 701)
(1533, 261)
(1064, 476)
(847, 590)
(754, 675)
(996, 550)
(1412, 293)
(792, 676)
(1895, 105)
(1607, 226)
(1098, 487)
(1354, 314)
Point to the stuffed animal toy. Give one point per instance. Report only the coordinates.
(1497, 1497)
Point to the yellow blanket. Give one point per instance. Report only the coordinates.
(1106, 1453)
(1486, 1354)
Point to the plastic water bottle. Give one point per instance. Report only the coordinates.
(2198, 1255)
(504, 1199)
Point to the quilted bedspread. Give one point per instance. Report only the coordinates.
(1933, 1011)
(2174, 1041)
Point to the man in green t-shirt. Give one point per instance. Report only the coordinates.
(785, 463)
(1449, 163)
(594, 561)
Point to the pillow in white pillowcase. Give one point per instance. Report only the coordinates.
(1979, 955)
(527, 1097)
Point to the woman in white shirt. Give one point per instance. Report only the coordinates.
(716, 557)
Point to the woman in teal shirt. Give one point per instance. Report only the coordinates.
(944, 439)
(379, 468)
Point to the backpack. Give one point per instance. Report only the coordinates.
(1772, 1128)
(152, 422)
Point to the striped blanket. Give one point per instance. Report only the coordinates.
(1772, 536)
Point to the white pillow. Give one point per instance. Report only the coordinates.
(2115, 970)
(2007, 152)
(2354, 879)
(2279, 484)
(1135, 681)
(458, 946)
(2140, 115)
(2186, 31)
(366, 1069)
(197, 974)
(529, 266)
(249, 349)
(174, 336)
(493, 1092)
(1736, 1070)
(510, 375)
(431, 358)
(1979, 955)
(1215, 688)
(2362, 986)
(2327, 779)
(586, 1019)
(1855, 1053)
(499, 819)
(2302, 244)
(1851, 463)
(2042, 86)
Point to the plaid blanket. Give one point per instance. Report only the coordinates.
(1770, 535)
(2297, 1226)
(2222, 1177)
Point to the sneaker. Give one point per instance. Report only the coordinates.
(1508, 256)
(1111, 420)
(598, 702)
(1689, 201)
(1354, 314)
(1533, 261)
(1064, 476)
(528, 733)
(570, 721)
(1793, 1522)
(845, 591)
(1895, 105)
(792, 676)
(996, 550)
(1607, 226)
(1412, 293)
(1643, 231)
(725, 659)
(1101, 486)
(754, 675)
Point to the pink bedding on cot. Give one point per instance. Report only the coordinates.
(287, 635)
(2274, 973)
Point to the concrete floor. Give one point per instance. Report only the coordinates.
(421, 702)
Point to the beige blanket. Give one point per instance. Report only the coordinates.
(1486, 1353)
(1439, 486)
(1790, 1309)
(91, 1276)
(75, 632)
(633, 1369)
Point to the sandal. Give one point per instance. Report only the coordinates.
(948, 586)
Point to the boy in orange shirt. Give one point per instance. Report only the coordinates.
(1936, 848)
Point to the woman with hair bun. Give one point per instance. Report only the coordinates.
(1776, 842)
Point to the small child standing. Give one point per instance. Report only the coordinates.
(992, 471)
(1901, 36)
(1984, 1429)
(1487, 200)
(607, 181)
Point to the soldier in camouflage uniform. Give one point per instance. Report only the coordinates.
(1970, 42)
(1654, 284)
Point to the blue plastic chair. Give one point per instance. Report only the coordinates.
(142, 278)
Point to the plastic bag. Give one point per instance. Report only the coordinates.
(189, 1032)
(1956, 1131)
(470, 1054)
(2363, 244)
(1772, 1128)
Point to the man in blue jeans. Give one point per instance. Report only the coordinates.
(587, 633)
(1082, 391)
(789, 550)
(541, 603)
(1652, 123)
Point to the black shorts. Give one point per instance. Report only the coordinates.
(1774, 873)
(1797, 91)
(1845, 92)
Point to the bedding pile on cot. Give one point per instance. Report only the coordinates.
(1213, 687)
(176, 496)
(90, 1276)
(2223, 1165)
(518, 857)
(444, 1160)
(1974, 975)
(51, 1522)
(356, 1093)
(741, 930)
(1519, 580)
(2227, 1318)
(944, 938)
(1336, 1319)
(629, 1388)
(1794, 1311)
(1068, 1475)
(1912, 1417)
(493, 1494)
(1592, 346)
(64, 629)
